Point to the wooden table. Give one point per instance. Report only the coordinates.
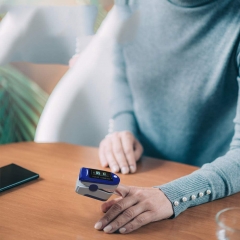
(49, 208)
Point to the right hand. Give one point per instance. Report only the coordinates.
(120, 151)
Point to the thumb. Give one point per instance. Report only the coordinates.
(122, 190)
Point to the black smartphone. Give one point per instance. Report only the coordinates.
(13, 175)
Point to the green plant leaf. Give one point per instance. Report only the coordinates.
(21, 104)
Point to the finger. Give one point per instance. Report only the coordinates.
(119, 154)
(124, 218)
(122, 190)
(110, 158)
(127, 142)
(101, 155)
(107, 205)
(115, 210)
(138, 150)
(137, 222)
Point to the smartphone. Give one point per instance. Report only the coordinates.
(13, 175)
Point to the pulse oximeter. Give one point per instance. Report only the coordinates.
(96, 184)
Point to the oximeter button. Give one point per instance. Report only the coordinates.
(93, 188)
(115, 176)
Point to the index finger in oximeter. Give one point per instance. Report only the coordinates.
(96, 184)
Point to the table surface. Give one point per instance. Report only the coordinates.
(49, 208)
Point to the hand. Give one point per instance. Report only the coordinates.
(137, 207)
(120, 150)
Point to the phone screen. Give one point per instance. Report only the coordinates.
(13, 175)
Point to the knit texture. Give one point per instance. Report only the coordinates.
(176, 89)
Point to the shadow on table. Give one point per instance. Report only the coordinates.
(146, 164)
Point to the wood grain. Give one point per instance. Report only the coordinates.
(49, 208)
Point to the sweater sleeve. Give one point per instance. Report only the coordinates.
(121, 102)
(214, 180)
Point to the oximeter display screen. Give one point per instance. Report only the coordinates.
(100, 174)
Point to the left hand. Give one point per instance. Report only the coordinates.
(136, 207)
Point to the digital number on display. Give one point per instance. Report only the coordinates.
(100, 174)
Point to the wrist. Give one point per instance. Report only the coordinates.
(168, 205)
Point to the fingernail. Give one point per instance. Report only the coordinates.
(115, 169)
(122, 230)
(98, 225)
(124, 170)
(133, 169)
(107, 228)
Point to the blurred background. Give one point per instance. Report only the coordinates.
(48, 91)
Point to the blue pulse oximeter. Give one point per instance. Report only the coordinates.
(96, 184)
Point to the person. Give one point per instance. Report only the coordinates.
(175, 95)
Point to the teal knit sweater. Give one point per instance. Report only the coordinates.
(176, 89)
